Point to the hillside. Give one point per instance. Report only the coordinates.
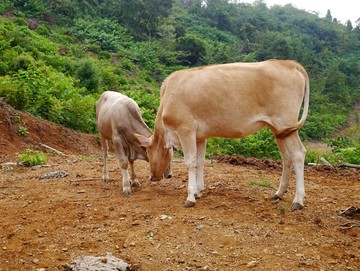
(58, 57)
(39, 131)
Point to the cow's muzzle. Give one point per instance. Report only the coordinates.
(168, 174)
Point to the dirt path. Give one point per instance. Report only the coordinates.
(47, 223)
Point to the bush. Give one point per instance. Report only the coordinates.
(313, 156)
(349, 155)
(193, 50)
(106, 34)
(260, 145)
(88, 75)
(346, 150)
(32, 157)
(22, 130)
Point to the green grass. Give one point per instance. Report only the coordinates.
(261, 183)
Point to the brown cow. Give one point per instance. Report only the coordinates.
(232, 101)
(118, 117)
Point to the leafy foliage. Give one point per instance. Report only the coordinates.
(260, 144)
(57, 57)
(32, 157)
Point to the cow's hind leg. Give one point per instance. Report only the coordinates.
(133, 180)
(104, 146)
(286, 170)
(296, 151)
(124, 163)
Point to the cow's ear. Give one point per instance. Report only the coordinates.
(144, 141)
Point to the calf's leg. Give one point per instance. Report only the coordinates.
(104, 146)
(124, 163)
(133, 180)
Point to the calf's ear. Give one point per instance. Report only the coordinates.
(144, 141)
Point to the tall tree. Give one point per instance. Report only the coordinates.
(328, 15)
(143, 16)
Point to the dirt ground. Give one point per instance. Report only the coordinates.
(46, 223)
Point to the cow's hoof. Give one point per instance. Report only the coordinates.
(276, 197)
(189, 204)
(296, 206)
(135, 183)
(127, 192)
(106, 180)
(199, 194)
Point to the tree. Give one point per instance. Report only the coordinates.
(349, 25)
(328, 15)
(143, 16)
(193, 50)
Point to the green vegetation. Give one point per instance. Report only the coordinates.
(261, 183)
(57, 57)
(32, 157)
(345, 150)
(22, 130)
(282, 209)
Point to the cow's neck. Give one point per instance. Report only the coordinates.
(159, 133)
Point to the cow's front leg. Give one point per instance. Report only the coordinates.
(200, 159)
(192, 186)
(125, 178)
(188, 144)
(123, 159)
(104, 146)
(133, 180)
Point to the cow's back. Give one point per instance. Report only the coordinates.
(118, 116)
(234, 100)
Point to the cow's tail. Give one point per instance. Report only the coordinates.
(301, 122)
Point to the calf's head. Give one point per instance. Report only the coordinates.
(159, 157)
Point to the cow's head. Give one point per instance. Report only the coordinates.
(159, 157)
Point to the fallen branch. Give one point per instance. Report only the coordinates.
(86, 180)
(349, 165)
(349, 225)
(51, 149)
(325, 162)
(8, 164)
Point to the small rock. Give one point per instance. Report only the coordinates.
(200, 227)
(104, 263)
(252, 263)
(163, 217)
(54, 174)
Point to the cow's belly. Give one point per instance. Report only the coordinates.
(105, 129)
(231, 129)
